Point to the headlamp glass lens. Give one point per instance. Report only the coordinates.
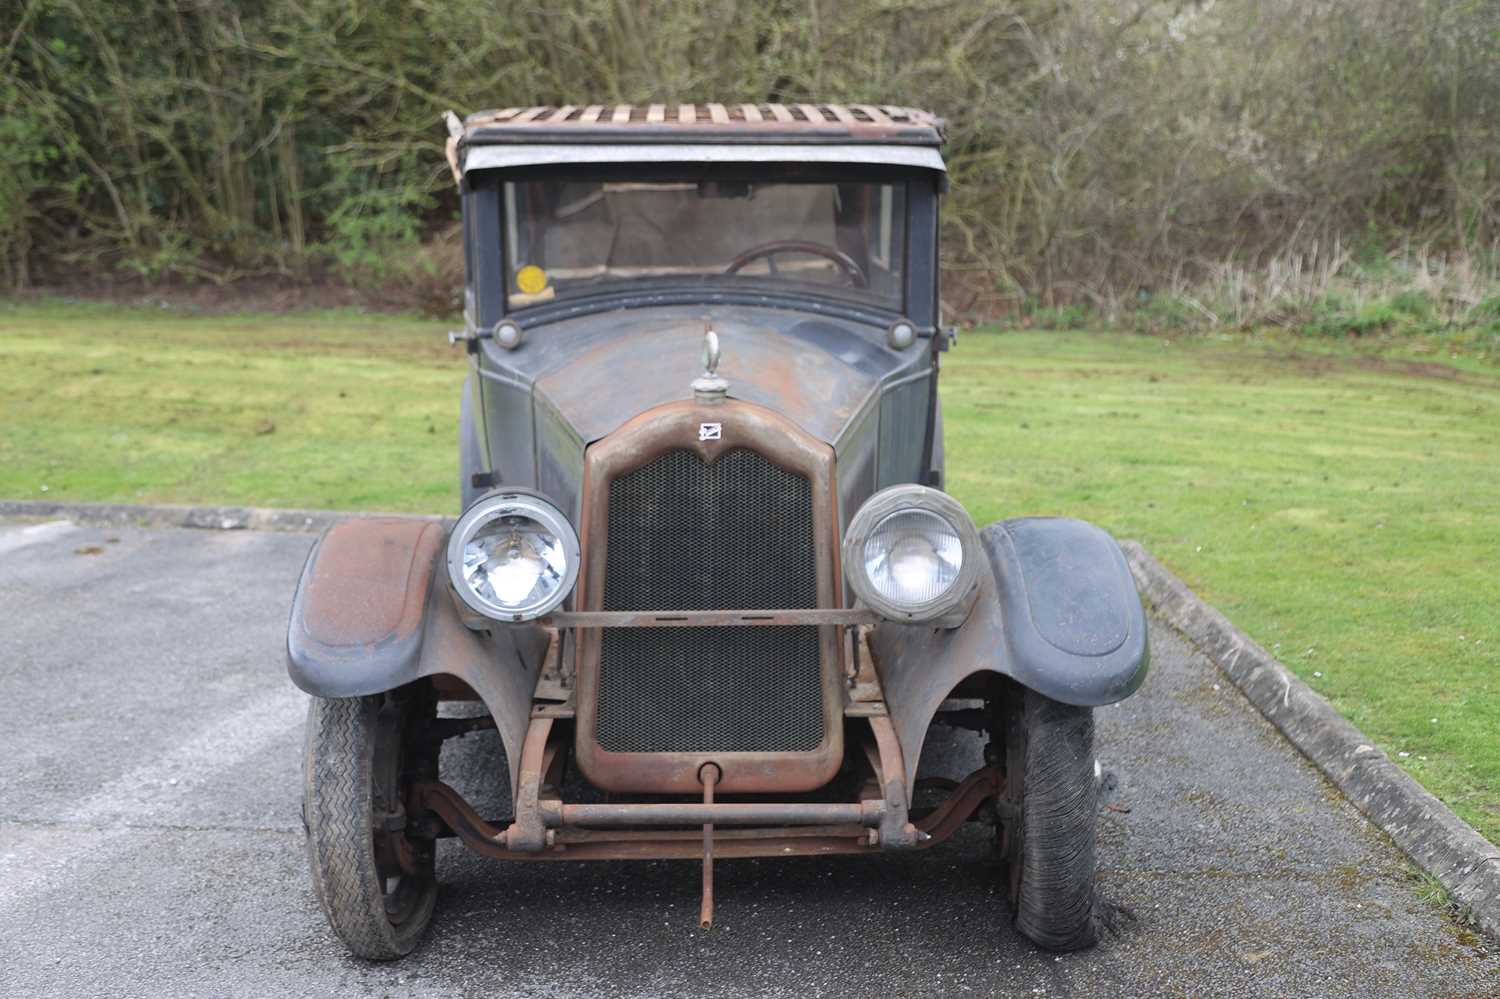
(912, 557)
(514, 561)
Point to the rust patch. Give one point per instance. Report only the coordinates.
(605, 384)
(573, 843)
(369, 581)
(709, 618)
(639, 441)
(743, 122)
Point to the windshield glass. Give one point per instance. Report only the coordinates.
(568, 239)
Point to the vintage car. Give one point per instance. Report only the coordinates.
(706, 584)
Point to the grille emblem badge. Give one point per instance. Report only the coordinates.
(710, 431)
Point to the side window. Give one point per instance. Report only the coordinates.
(471, 307)
(871, 230)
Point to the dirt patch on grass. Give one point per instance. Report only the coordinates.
(1317, 365)
(1424, 369)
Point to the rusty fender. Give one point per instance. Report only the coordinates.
(373, 612)
(1058, 613)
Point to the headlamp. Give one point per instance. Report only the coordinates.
(512, 556)
(912, 554)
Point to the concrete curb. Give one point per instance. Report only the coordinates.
(213, 518)
(1435, 839)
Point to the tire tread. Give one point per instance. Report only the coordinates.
(1057, 907)
(337, 810)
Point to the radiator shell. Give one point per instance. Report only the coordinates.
(776, 724)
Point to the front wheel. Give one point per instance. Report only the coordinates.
(375, 885)
(1048, 818)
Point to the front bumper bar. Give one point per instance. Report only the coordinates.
(654, 830)
(620, 816)
(711, 618)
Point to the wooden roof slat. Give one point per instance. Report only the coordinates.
(821, 123)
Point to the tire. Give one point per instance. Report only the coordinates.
(1049, 816)
(352, 777)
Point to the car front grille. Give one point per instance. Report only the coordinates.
(736, 534)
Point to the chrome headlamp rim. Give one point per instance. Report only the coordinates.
(506, 503)
(899, 499)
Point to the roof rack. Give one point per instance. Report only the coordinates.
(832, 123)
(878, 134)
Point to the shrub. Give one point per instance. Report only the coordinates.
(1094, 148)
(1168, 314)
(1058, 317)
(373, 235)
(1487, 311)
(1414, 304)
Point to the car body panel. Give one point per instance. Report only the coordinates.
(357, 616)
(815, 372)
(374, 611)
(1057, 612)
(559, 154)
(575, 381)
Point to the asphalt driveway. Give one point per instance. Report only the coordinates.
(150, 844)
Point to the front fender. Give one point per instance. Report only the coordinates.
(372, 613)
(1057, 612)
(357, 617)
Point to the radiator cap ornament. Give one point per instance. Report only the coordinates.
(709, 388)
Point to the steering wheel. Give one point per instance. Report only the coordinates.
(768, 252)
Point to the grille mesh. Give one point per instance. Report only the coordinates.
(686, 535)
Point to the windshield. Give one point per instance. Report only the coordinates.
(568, 239)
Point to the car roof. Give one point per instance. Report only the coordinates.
(878, 134)
(797, 123)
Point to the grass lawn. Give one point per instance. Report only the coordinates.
(333, 410)
(1342, 508)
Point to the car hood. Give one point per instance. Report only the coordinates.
(598, 371)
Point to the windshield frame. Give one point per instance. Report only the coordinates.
(486, 247)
